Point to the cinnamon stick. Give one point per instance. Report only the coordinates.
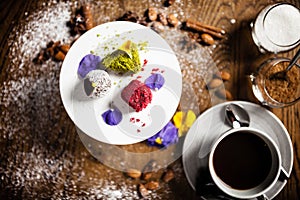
(213, 28)
(198, 26)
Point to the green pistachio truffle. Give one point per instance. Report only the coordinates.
(124, 60)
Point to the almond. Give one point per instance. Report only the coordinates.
(152, 185)
(207, 39)
(224, 94)
(214, 83)
(169, 2)
(142, 190)
(228, 95)
(168, 175)
(87, 13)
(147, 175)
(65, 48)
(134, 173)
(60, 56)
(163, 19)
(172, 19)
(225, 76)
(157, 26)
(50, 51)
(152, 14)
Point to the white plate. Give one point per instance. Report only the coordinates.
(208, 127)
(86, 112)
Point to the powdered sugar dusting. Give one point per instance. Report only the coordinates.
(197, 68)
(37, 30)
(38, 161)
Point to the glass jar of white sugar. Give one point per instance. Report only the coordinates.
(277, 28)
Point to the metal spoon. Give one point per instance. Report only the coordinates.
(282, 75)
(237, 116)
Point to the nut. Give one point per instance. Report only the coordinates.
(163, 19)
(143, 21)
(65, 48)
(225, 76)
(59, 56)
(134, 173)
(157, 26)
(142, 190)
(152, 14)
(224, 94)
(172, 19)
(129, 16)
(228, 95)
(50, 51)
(87, 13)
(169, 2)
(56, 44)
(168, 175)
(146, 176)
(152, 185)
(214, 83)
(207, 39)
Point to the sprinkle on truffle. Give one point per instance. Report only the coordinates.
(97, 83)
(122, 61)
(137, 95)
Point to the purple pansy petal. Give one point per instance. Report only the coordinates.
(151, 140)
(155, 81)
(168, 136)
(87, 64)
(112, 117)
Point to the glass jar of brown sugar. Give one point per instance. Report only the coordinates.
(276, 92)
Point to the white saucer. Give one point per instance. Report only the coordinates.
(208, 127)
(86, 113)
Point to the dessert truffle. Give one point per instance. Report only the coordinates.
(137, 95)
(97, 83)
(125, 59)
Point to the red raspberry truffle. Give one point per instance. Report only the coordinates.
(137, 95)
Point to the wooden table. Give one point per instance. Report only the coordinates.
(41, 155)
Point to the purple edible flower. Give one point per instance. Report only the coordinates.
(112, 117)
(87, 64)
(155, 81)
(165, 137)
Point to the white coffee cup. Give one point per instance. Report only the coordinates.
(245, 163)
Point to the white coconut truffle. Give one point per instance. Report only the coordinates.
(97, 83)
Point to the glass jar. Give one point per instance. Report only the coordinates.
(277, 28)
(276, 92)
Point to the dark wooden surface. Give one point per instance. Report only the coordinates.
(41, 155)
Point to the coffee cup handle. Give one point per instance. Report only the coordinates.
(263, 197)
(283, 176)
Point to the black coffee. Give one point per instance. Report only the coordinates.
(242, 160)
